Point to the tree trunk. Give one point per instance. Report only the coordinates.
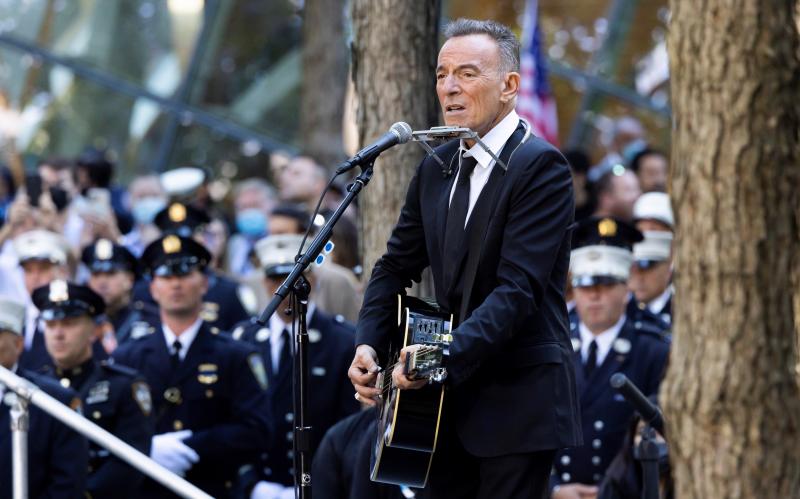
(730, 397)
(324, 80)
(394, 61)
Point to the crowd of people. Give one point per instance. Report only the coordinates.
(136, 306)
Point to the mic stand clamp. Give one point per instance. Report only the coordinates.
(299, 287)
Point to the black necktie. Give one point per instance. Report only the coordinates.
(457, 217)
(285, 360)
(175, 359)
(591, 359)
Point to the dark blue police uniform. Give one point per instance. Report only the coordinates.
(640, 353)
(217, 391)
(117, 399)
(57, 455)
(330, 352)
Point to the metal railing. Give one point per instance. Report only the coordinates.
(28, 393)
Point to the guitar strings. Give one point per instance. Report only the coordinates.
(387, 380)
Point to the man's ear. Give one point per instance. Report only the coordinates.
(510, 87)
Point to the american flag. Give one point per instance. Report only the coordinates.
(535, 102)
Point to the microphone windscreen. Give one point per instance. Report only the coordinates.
(403, 131)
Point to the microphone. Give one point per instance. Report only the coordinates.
(648, 410)
(400, 133)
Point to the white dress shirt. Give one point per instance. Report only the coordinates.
(276, 327)
(656, 305)
(495, 140)
(604, 340)
(186, 338)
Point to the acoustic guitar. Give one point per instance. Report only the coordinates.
(408, 420)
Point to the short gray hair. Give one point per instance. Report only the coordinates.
(500, 33)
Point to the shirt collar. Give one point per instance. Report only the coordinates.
(276, 325)
(186, 338)
(495, 139)
(604, 340)
(657, 304)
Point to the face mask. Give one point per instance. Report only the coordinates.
(251, 222)
(145, 210)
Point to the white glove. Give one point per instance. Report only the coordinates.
(270, 490)
(169, 451)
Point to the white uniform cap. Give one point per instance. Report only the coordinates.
(656, 246)
(182, 181)
(12, 316)
(600, 264)
(654, 206)
(276, 253)
(41, 245)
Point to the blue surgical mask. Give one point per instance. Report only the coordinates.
(144, 211)
(251, 222)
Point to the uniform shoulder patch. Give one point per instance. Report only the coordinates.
(141, 395)
(256, 364)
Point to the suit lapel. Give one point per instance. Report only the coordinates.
(478, 221)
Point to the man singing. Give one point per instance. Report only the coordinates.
(497, 242)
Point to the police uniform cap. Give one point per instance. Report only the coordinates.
(106, 256)
(61, 299)
(181, 219)
(42, 245)
(656, 247)
(12, 316)
(277, 253)
(602, 253)
(183, 181)
(654, 206)
(174, 255)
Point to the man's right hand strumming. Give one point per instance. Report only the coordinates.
(363, 371)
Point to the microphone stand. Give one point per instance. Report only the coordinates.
(296, 285)
(647, 451)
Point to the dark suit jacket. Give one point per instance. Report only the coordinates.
(221, 401)
(511, 382)
(341, 464)
(57, 456)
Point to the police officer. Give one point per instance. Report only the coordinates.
(113, 273)
(605, 341)
(651, 274)
(331, 346)
(114, 397)
(43, 257)
(223, 306)
(57, 455)
(210, 400)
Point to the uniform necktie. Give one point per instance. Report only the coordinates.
(175, 359)
(457, 217)
(591, 359)
(285, 360)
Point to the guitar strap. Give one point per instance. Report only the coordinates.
(478, 232)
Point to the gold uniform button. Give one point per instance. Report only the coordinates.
(209, 394)
(65, 382)
(96, 414)
(178, 425)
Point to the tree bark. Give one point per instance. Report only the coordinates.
(324, 80)
(730, 396)
(394, 61)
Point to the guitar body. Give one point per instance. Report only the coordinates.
(408, 424)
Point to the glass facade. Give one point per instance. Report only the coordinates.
(165, 83)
